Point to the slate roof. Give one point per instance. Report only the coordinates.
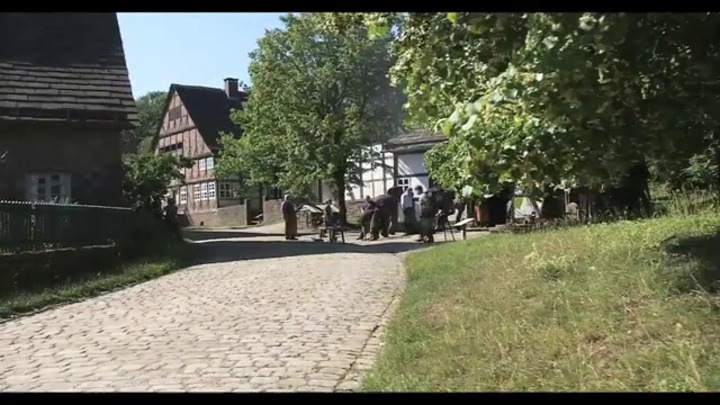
(414, 141)
(209, 108)
(64, 66)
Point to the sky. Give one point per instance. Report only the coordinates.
(190, 48)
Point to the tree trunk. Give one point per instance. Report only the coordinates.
(339, 180)
(717, 163)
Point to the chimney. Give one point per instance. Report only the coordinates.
(231, 88)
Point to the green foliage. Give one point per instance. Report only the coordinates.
(702, 171)
(318, 98)
(148, 175)
(556, 97)
(150, 115)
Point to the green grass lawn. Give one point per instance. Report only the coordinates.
(624, 306)
(105, 280)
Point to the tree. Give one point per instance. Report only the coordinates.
(148, 175)
(318, 99)
(150, 115)
(556, 98)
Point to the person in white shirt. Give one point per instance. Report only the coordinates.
(408, 207)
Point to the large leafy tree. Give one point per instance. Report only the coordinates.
(148, 175)
(556, 97)
(318, 99)
(150, 115)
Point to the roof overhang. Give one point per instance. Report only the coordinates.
(420, 147)
(63, 115)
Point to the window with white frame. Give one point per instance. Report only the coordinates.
(203, 191)
(183, 195)
(211, 190)
(228, 190)
(48, 187)
(205, 164)
(405, 183)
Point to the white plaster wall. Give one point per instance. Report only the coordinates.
(375, 181)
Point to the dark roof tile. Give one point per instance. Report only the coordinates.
(72, 61)
(209, 109)
(414, 140)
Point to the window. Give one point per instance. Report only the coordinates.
(211, 190)
(48, 187)
(183, 195)
(203, 191)
(174, 113)
(405, 183)
(274, 193)
(228, 190)
(206, 164)
(176, 148)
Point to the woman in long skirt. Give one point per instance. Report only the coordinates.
(290, 217)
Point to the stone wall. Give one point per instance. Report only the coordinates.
(234, 215)
(354, 210)
(271, 211)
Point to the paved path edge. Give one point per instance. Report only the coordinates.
(373, 347)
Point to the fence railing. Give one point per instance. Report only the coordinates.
(34, 226)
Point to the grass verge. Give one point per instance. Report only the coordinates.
(176, 257)
(614, 307)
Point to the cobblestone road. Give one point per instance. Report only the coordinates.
(260, 314)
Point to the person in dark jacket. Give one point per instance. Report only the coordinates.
(380, 223)
(427, 217)
(170, 216)
(385, 213)
(366, 219)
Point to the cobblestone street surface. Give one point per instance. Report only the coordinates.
(261, 314)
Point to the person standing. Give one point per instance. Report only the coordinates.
(408, 207)
(427, 218)
(380, 222)
(170, 215)
(290, 216)
(461, 207)
(366, 219)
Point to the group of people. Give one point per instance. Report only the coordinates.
(428, 211)
(377, 215)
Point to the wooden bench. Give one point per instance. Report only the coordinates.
(462, 226)
(332, 232)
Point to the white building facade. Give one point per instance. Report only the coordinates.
(408, 152)
(377, 176)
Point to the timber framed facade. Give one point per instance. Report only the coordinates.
(194, 118)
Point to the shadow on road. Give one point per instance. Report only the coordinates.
(214, 247)
(202, 235)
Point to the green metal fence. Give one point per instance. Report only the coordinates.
(26, 226)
